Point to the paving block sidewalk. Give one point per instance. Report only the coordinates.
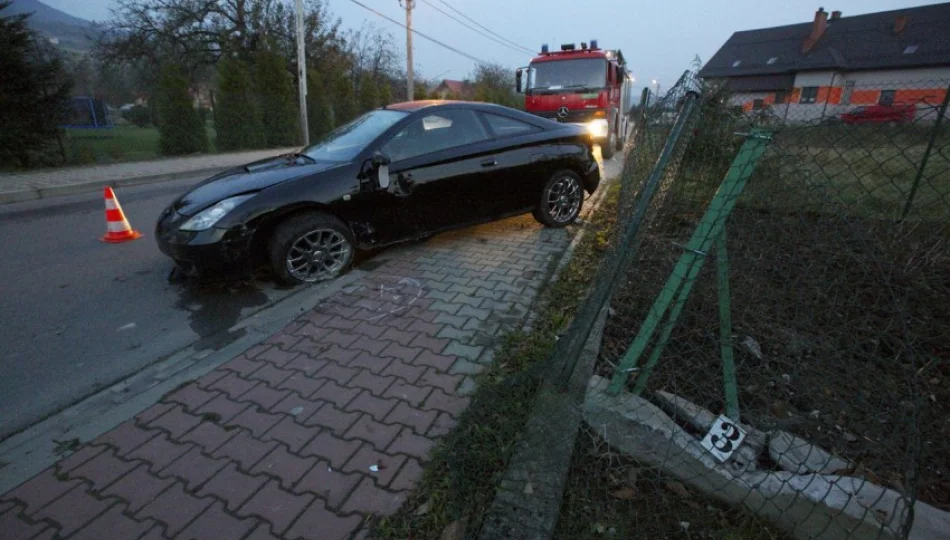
(61, 181)
(327, 423)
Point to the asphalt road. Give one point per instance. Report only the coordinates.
(77, 314)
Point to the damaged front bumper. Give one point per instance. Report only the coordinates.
(213, 252)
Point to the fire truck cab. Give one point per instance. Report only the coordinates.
(585, 85)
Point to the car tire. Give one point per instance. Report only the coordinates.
(561, 200)
(607, 147)
(321, 244)
(620, 140)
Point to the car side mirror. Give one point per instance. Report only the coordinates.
(519, 74)
(380, 163)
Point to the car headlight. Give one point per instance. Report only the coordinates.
(597, 127)
(206, 219)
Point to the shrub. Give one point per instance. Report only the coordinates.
(139, 115)
(237, 116)
(180, 129)
(276, 97)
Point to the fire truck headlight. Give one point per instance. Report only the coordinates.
(597, 128)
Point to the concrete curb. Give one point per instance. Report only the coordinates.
(596, 200)
(29, 452)
(528, 501)
(7, 197)
(544, 454)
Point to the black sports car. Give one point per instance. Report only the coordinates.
(398, 173)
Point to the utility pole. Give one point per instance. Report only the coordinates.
(302, 75)
(408, 4)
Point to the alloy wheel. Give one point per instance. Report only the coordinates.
(564, 198)
(318, 255)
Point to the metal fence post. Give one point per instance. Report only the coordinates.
(699, 244)
(569, 349)
(942, 112)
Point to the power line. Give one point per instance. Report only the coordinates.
(490, 31)
(496, 40)
(420, 34)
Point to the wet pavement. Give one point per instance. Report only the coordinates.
(77, 314)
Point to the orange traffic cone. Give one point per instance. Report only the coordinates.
(117, 227)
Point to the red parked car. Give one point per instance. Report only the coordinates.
(897, 113)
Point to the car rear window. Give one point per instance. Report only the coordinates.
(503, 126)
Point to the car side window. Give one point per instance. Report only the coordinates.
(504, 126)
(434, 132)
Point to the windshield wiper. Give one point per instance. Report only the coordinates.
(304, 156)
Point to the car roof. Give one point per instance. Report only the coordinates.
(436, 104)
(412, 106)
(418, 104)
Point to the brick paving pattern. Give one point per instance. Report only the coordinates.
(327, 423)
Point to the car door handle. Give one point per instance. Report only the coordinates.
(489, 163)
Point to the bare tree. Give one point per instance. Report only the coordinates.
(197, 32)
(373, 51)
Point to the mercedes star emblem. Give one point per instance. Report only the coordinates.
(562, 112)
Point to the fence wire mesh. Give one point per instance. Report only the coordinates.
(788, 270)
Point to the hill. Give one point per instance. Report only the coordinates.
(69, 32)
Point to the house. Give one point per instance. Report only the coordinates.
(804, 72)
(449, 89)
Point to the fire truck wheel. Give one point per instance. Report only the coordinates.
(560, 201)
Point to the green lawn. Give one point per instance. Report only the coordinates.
(859, 171)
(122, 143)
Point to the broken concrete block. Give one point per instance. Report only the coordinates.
(797, 455)
(746, 458)
(809, 506)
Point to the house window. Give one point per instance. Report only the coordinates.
(809, 94)
(911, 49)
(757, 104)
(772, 60)
(887, 97)
(736, 63)
(846, 94)
(780, 97)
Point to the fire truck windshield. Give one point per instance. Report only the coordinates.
(580, 73)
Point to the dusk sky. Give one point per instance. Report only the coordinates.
(659, 39)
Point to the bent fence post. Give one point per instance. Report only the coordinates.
(941, 113)
(699, 244)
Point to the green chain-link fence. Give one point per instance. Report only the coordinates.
(789, 271)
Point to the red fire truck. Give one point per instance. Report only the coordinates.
(586, 85)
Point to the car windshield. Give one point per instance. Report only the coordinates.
(590, 73)
(347, 141)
